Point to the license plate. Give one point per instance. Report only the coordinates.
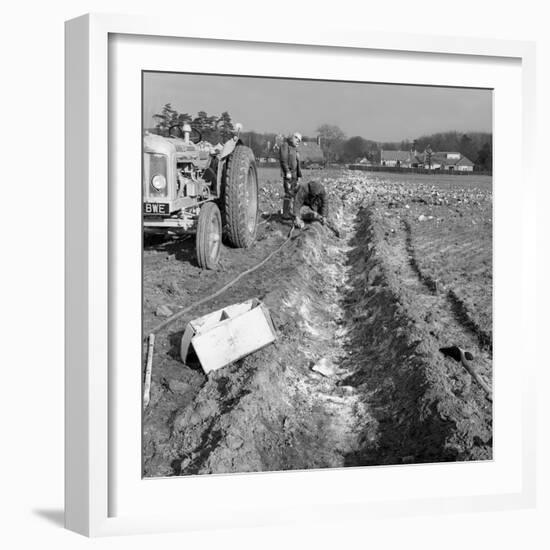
(156, 208)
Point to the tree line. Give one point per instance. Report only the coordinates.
(213, 128)
(336, 146)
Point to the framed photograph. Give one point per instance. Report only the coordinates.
(290, 294)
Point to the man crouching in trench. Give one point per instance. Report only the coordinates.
(310, 203)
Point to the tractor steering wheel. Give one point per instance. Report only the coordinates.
(180, 132)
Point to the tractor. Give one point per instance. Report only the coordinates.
(192, 187)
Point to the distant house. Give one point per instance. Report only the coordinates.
(464, 165)
(402, 159)
(449, 161)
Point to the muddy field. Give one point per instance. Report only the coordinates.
(356, 376)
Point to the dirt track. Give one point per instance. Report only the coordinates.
(372, 309)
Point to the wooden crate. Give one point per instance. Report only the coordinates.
(228, 334)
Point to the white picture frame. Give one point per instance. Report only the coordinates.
(101, 422)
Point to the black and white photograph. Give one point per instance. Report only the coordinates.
(317, 274)
(289, 282)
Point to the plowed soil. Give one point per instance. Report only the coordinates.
(355, 377)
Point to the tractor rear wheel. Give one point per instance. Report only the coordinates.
(209, 236)
(240, 198)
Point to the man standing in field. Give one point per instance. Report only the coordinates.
(310, 203)
(290, 169)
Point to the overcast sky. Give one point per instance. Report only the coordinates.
(381, 112)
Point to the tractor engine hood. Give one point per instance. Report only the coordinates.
(153, 143)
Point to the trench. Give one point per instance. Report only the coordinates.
(423, 407)
(354, 379)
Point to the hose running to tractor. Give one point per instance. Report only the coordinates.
(179, 314)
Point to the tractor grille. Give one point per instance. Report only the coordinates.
(155, 165)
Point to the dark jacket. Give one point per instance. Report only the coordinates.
(289, 159)
(311, 194)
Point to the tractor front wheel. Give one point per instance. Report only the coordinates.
(209, 236)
